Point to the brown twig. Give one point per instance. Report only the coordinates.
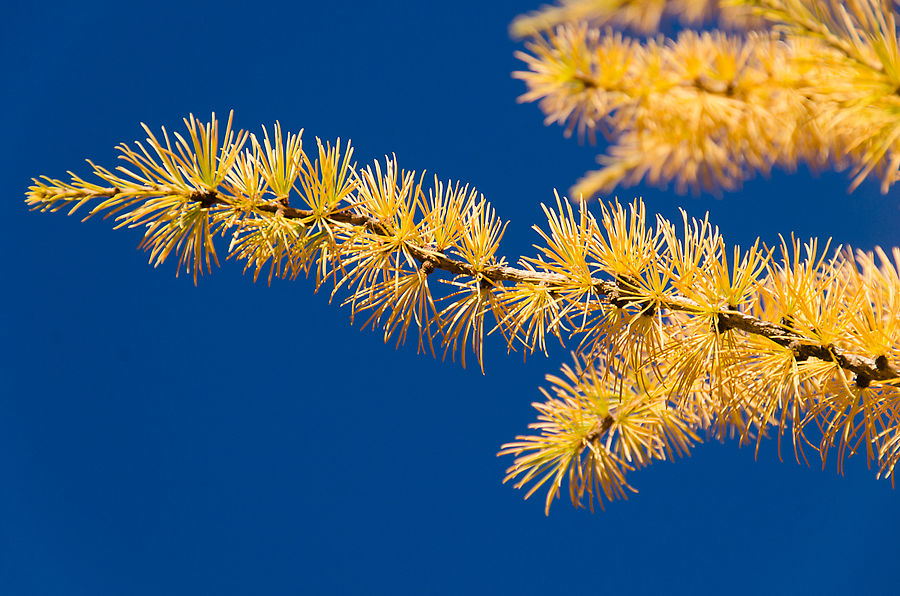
(866, 369)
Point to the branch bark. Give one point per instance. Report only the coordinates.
(866, 369)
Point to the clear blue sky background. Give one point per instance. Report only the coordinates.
(232, 438)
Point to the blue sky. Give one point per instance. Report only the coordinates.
(232, 438)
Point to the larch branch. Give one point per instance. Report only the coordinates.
(865, 368)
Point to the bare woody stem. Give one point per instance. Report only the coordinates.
(866, 369)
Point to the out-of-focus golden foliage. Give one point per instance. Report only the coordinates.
(679, 336)
(640, 15)
(814, 81)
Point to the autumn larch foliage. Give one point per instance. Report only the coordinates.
(676, 336)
